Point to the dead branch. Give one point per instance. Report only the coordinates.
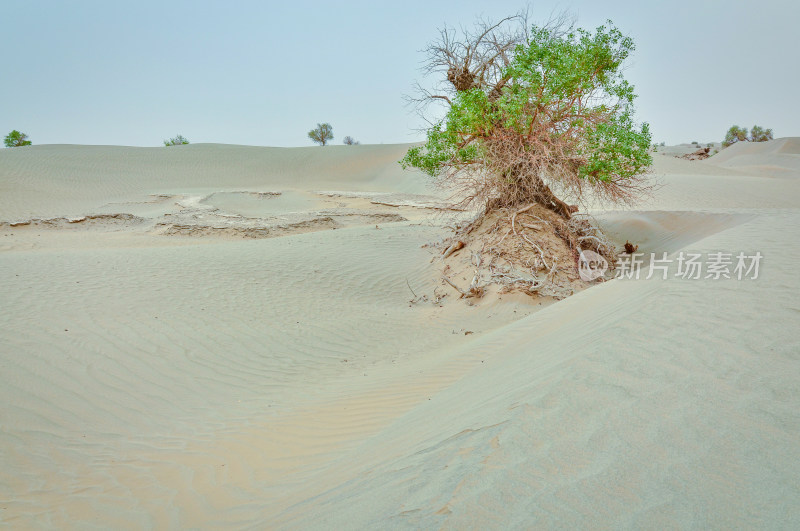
(532, 227)
(461, 291)
(409, 287)
(453, 248)
(518, 212)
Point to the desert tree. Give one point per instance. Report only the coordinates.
(759, 134)
(16, 139)
(178, 140)
(739, 134)
(530, 118)
(532, 112)
(322, 134)
(735, 134)
(350, 141)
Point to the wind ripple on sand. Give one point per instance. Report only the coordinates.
(582, 420)
(183, 382)
(136, 369)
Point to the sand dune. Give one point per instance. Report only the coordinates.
(779, 157)
(57, 180)
(654, 404)
(221, 336)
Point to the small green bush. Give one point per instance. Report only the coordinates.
(179, 140)
(322, 134)
(16, 139)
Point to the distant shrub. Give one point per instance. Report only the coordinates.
(695, 143)
(759, 134)
(738, 134)
(16, 139)
(322, 134)
(176, 141)
(735, 134)
(350, 141)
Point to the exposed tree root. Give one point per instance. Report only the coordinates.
(453, 248)
(533, 250)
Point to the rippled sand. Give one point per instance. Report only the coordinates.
(207, 336)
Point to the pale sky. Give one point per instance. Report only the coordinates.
(264, 73)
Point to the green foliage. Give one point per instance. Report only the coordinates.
(322, 134)
(16, 139)
(738, 134)
(759, 134)
(563, 107)
(616, 149)
(734, 134)
(178, 140)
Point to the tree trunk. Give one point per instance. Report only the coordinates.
(546, 197)
(542, 193)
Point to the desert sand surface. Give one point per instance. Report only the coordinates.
(216, 336)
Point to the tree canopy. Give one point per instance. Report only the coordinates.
(322, 134)
(759, 134)
(16, 139)
(531, 109)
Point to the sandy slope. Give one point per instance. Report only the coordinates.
(778, 157)
(258, 369)
(660, 404)
(53, 180)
